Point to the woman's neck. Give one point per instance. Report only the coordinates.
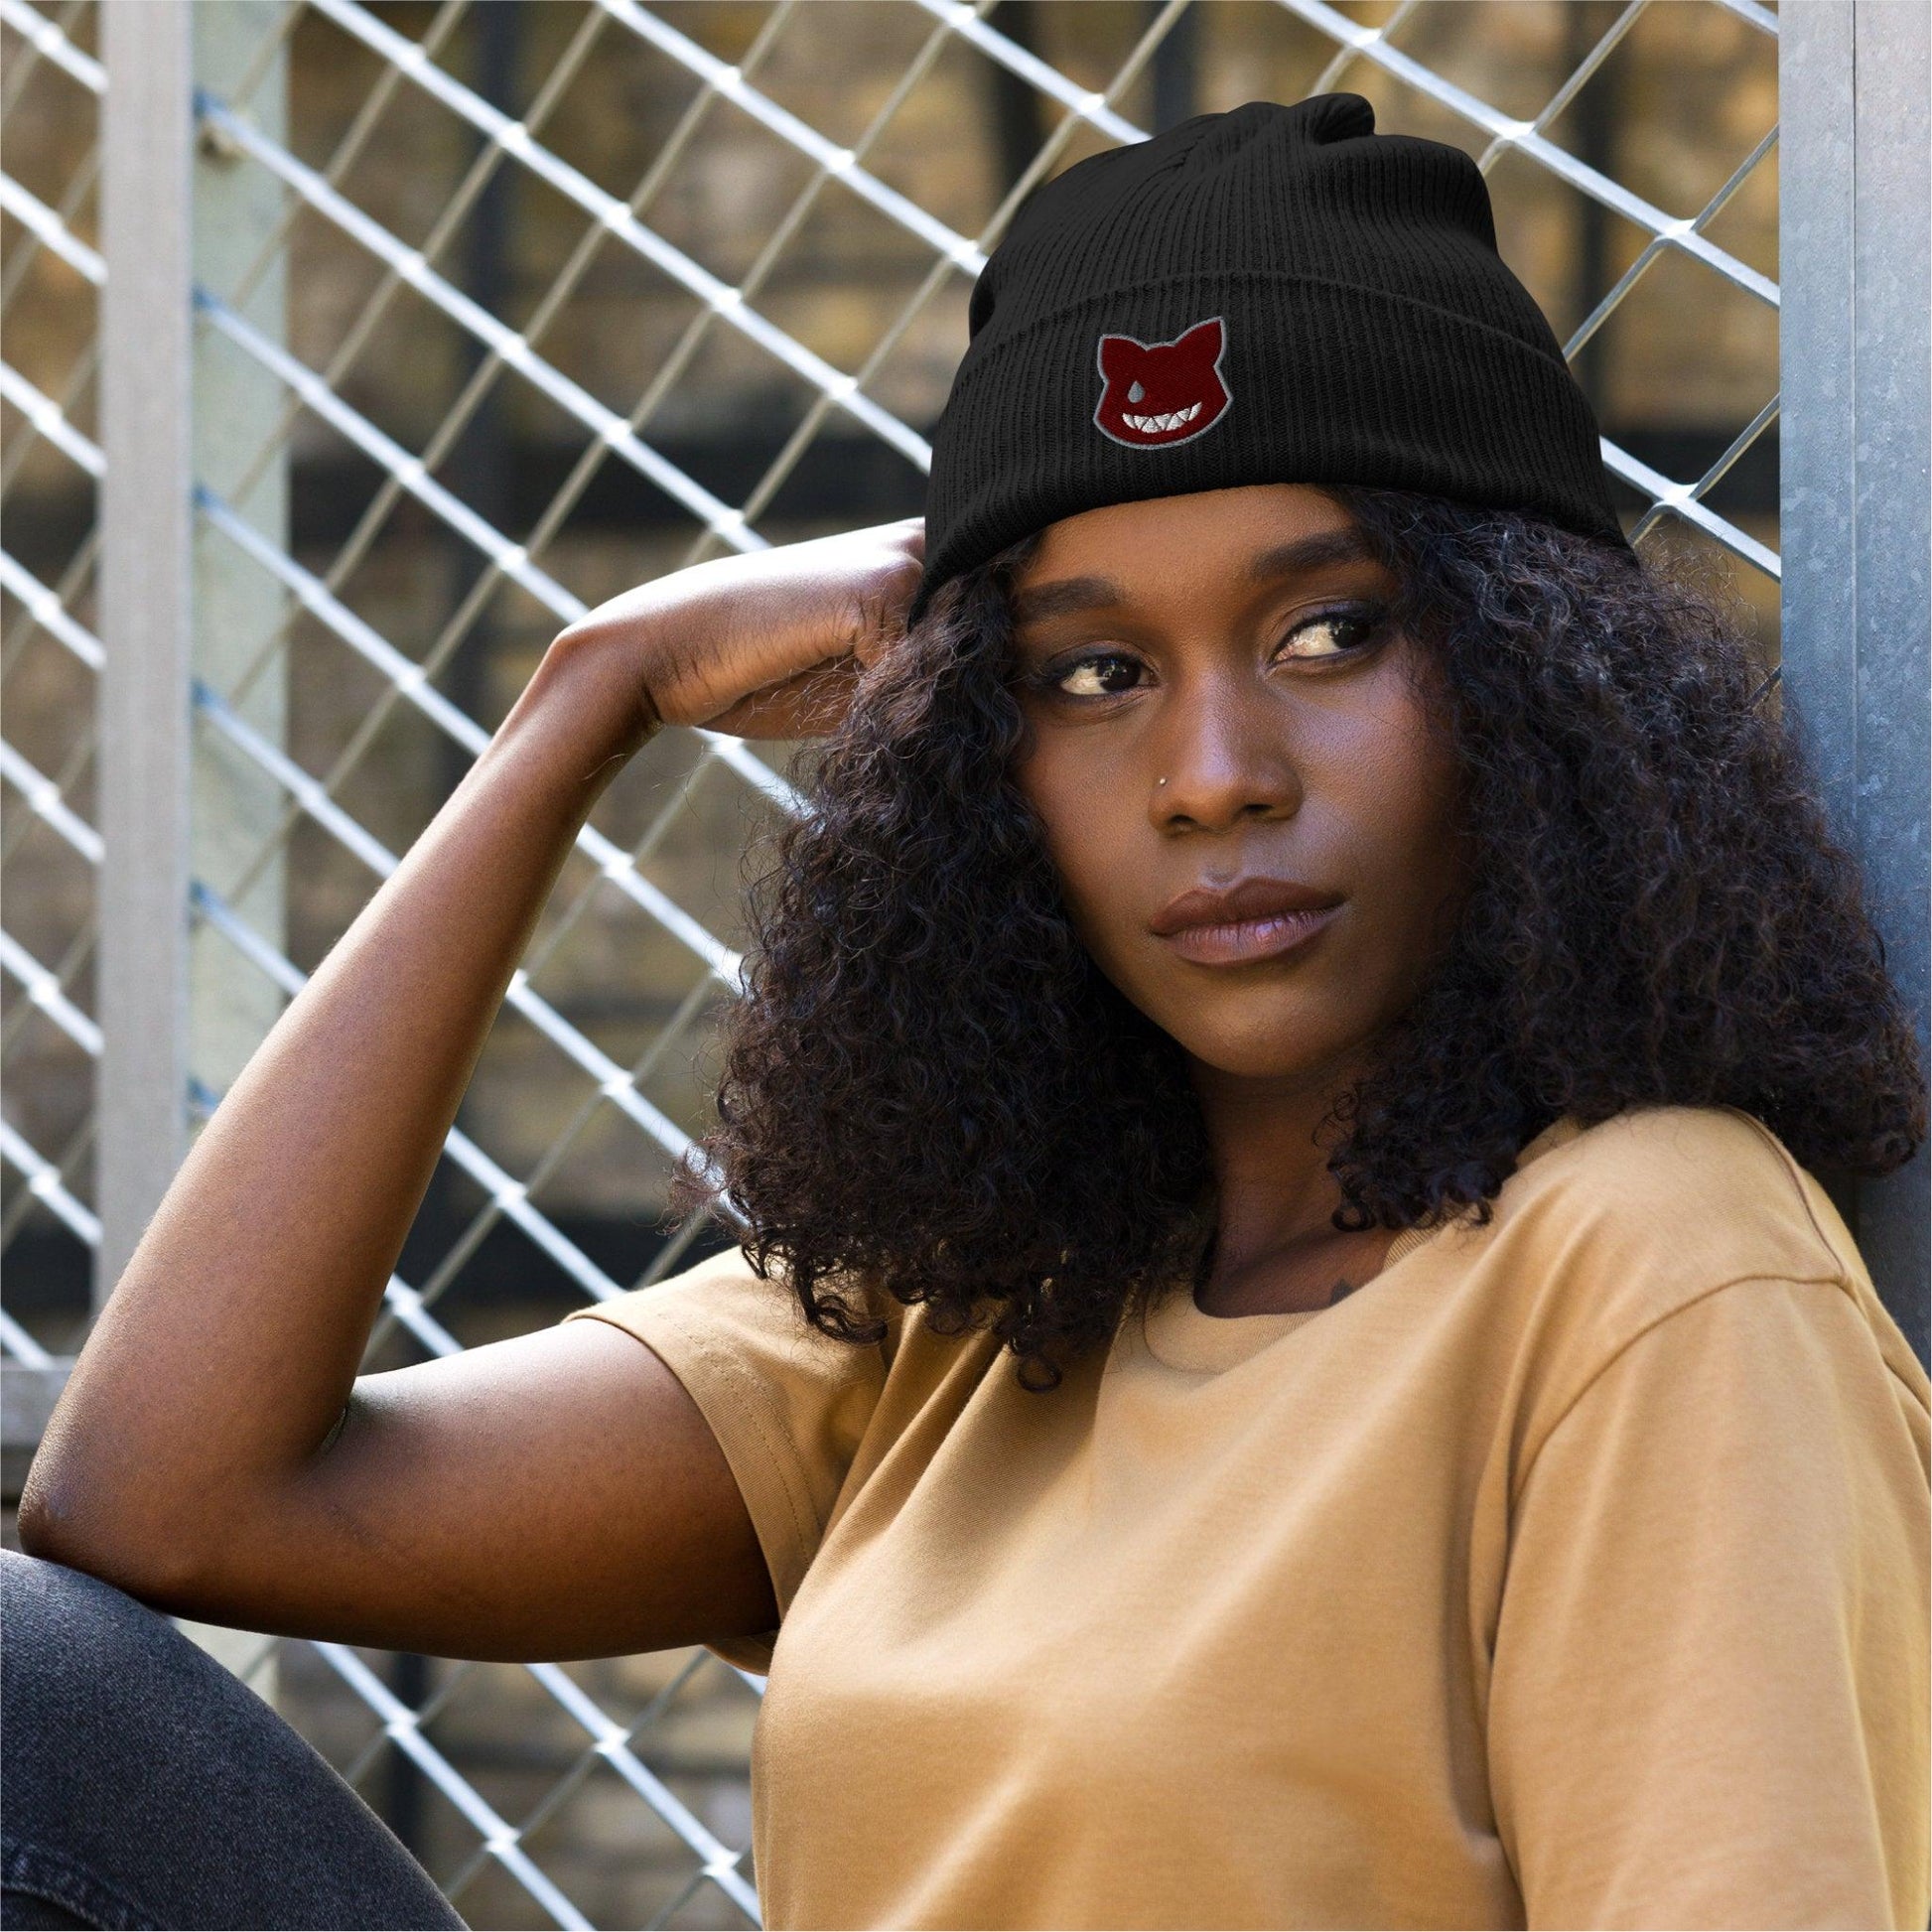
(1276, 1245)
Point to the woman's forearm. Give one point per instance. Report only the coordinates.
(205, 1396)
(232, 1339)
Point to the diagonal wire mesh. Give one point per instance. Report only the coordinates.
(577, 295)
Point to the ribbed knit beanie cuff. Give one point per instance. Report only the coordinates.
(1270, 295)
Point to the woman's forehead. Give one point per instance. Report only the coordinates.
(1250, 512)
(1237, 538)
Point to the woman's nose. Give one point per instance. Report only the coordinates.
(1222, 757)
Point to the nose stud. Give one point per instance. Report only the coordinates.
(1160, 782)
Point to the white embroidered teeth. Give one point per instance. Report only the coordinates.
(1148, 424)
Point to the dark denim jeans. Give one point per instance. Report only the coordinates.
(146, 1786)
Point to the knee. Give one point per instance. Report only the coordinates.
(68, 1630)
(93, 1683)
(109, 1708)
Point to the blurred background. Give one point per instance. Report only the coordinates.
(499, 307)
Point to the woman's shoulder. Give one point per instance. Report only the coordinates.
(1607, 1231)
(732, 1305)
(1708, 1194)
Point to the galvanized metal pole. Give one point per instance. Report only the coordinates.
(1855, 335)
(145, 603)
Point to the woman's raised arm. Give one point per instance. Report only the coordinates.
(551, 1496)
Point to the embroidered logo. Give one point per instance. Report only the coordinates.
(1157, 393)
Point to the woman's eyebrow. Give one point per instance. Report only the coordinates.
(1346, 545)
(1298, 555)
(1066, 594)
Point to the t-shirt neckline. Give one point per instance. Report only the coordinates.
(1181, 1335)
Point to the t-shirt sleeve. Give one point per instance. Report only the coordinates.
(1709, 1700)
(786, 1403)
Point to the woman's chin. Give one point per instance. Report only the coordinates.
(1279, 1046)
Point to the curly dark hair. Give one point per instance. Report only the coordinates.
(931, 1091)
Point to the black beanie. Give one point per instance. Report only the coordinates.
(1270, 295)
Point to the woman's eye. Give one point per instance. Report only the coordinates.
(1105, 675)
(1330, 634)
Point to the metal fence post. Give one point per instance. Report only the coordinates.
(175, 605)
(1856, 319)
(147, 123)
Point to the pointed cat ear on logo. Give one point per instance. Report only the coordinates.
(1157, 393)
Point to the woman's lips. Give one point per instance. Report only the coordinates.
(1248, 919)
(1238, 941)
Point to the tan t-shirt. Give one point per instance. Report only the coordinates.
(1573, 1572)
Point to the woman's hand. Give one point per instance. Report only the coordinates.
(769, 644)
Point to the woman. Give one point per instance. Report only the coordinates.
(1287, 1365)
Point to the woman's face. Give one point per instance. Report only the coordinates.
(1256, 827)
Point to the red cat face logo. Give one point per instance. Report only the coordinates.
(1158, 393)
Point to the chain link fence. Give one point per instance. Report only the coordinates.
(497, 309)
